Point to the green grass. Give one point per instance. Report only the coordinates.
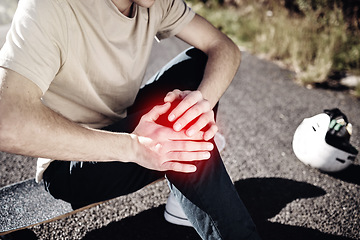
(315, 42)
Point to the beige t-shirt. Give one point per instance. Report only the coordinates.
(85, 55)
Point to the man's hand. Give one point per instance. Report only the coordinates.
(161, 148)
(193, 109)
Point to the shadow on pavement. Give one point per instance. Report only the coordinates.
(349, 175)
(22, 234)
(147, 225)
(264, 197)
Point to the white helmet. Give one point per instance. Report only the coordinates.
(322, 141)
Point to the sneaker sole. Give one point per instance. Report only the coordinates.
(176, 220)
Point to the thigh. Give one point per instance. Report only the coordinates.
(83, 183)
(94, 182)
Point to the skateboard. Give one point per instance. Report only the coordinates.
(27, 203)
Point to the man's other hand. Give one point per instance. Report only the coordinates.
(193, 109)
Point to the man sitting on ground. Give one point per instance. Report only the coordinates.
(71, 91)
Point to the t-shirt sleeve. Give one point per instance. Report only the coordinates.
(32, 43)
(176, 15)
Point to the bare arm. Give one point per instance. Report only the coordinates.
(223, 57)
(223, 62)
(28, 127)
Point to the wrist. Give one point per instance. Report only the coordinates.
(122, 148)
(133, 151)
(129, 147)
(210, 97)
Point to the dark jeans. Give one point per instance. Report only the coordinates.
(207, 196)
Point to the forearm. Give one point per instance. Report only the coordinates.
(223, 57)
(27, 127)
(221, 67)
(49, 135)
(223, 62)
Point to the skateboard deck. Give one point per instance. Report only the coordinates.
(27, 204)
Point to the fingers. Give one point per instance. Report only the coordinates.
(179, 167)
(197, 118)
(175, 94)
(192, 112)
(196, 124)
(189, 99)
(181, 161)
(189, 146)
(179, 155)
(172, 135)
(210, 133)
(156, 111)
(161, 148)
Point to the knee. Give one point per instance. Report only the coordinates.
(197, 55)
(188, 70)
(56, 181)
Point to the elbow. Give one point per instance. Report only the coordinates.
(235, 50)
(231, 50)
(4, 135)
(237, 55)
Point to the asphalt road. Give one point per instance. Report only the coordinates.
(258, 116)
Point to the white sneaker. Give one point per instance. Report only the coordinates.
(174, 213)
